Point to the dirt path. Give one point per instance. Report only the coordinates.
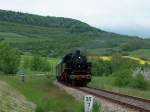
(107, 106)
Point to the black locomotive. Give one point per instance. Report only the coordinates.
(74, 69)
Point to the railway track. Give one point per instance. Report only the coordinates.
(136, 103)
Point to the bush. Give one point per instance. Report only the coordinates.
(40, 64)
(101, 68)
(126, 79)
(9, 59)
(123, 78)
(27, 62)
(139, 82)
(36, 63)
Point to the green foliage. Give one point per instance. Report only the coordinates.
(101, 68)
(36, 63)
(39, 64)
(39, 109)
(139, 82)
(122, 68)
(96, 107)
(26, 62)
(9, 59)
(118, 63)
(123, 78)
(42, 92)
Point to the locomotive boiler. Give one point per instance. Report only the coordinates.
(74, 69)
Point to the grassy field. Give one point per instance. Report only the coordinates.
(103, 51)
(107, 83)
(109, 58)
(141, 53)
(44, 94)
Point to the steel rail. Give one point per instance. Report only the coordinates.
(143, 105)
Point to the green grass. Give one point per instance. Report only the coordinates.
(107, 83)
(103, 51)
(141, 53)
(12, 101)
(44, 94)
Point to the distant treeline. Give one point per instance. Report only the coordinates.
(46, 21)
(136, 44)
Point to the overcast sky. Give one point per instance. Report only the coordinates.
(130, 17)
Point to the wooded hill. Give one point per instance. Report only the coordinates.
(55, 36)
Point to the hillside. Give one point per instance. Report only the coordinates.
(54, 36)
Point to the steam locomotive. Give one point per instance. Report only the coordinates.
(74, 70)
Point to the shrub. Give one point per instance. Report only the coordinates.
(9, 59)
(36, 63)
(101, 68)
(139, 82)
(45, 65)
(27, 62)
(126, 79)
(123, 78)
(40, 64)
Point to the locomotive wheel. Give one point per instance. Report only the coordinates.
(84, 84)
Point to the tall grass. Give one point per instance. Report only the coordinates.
(44, 94)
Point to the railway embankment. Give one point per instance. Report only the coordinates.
(12, 101)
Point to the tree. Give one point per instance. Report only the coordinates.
(40, 64)
(9, 59)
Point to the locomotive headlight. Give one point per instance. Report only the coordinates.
(71, 76)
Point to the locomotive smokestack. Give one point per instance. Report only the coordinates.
(78, 52)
